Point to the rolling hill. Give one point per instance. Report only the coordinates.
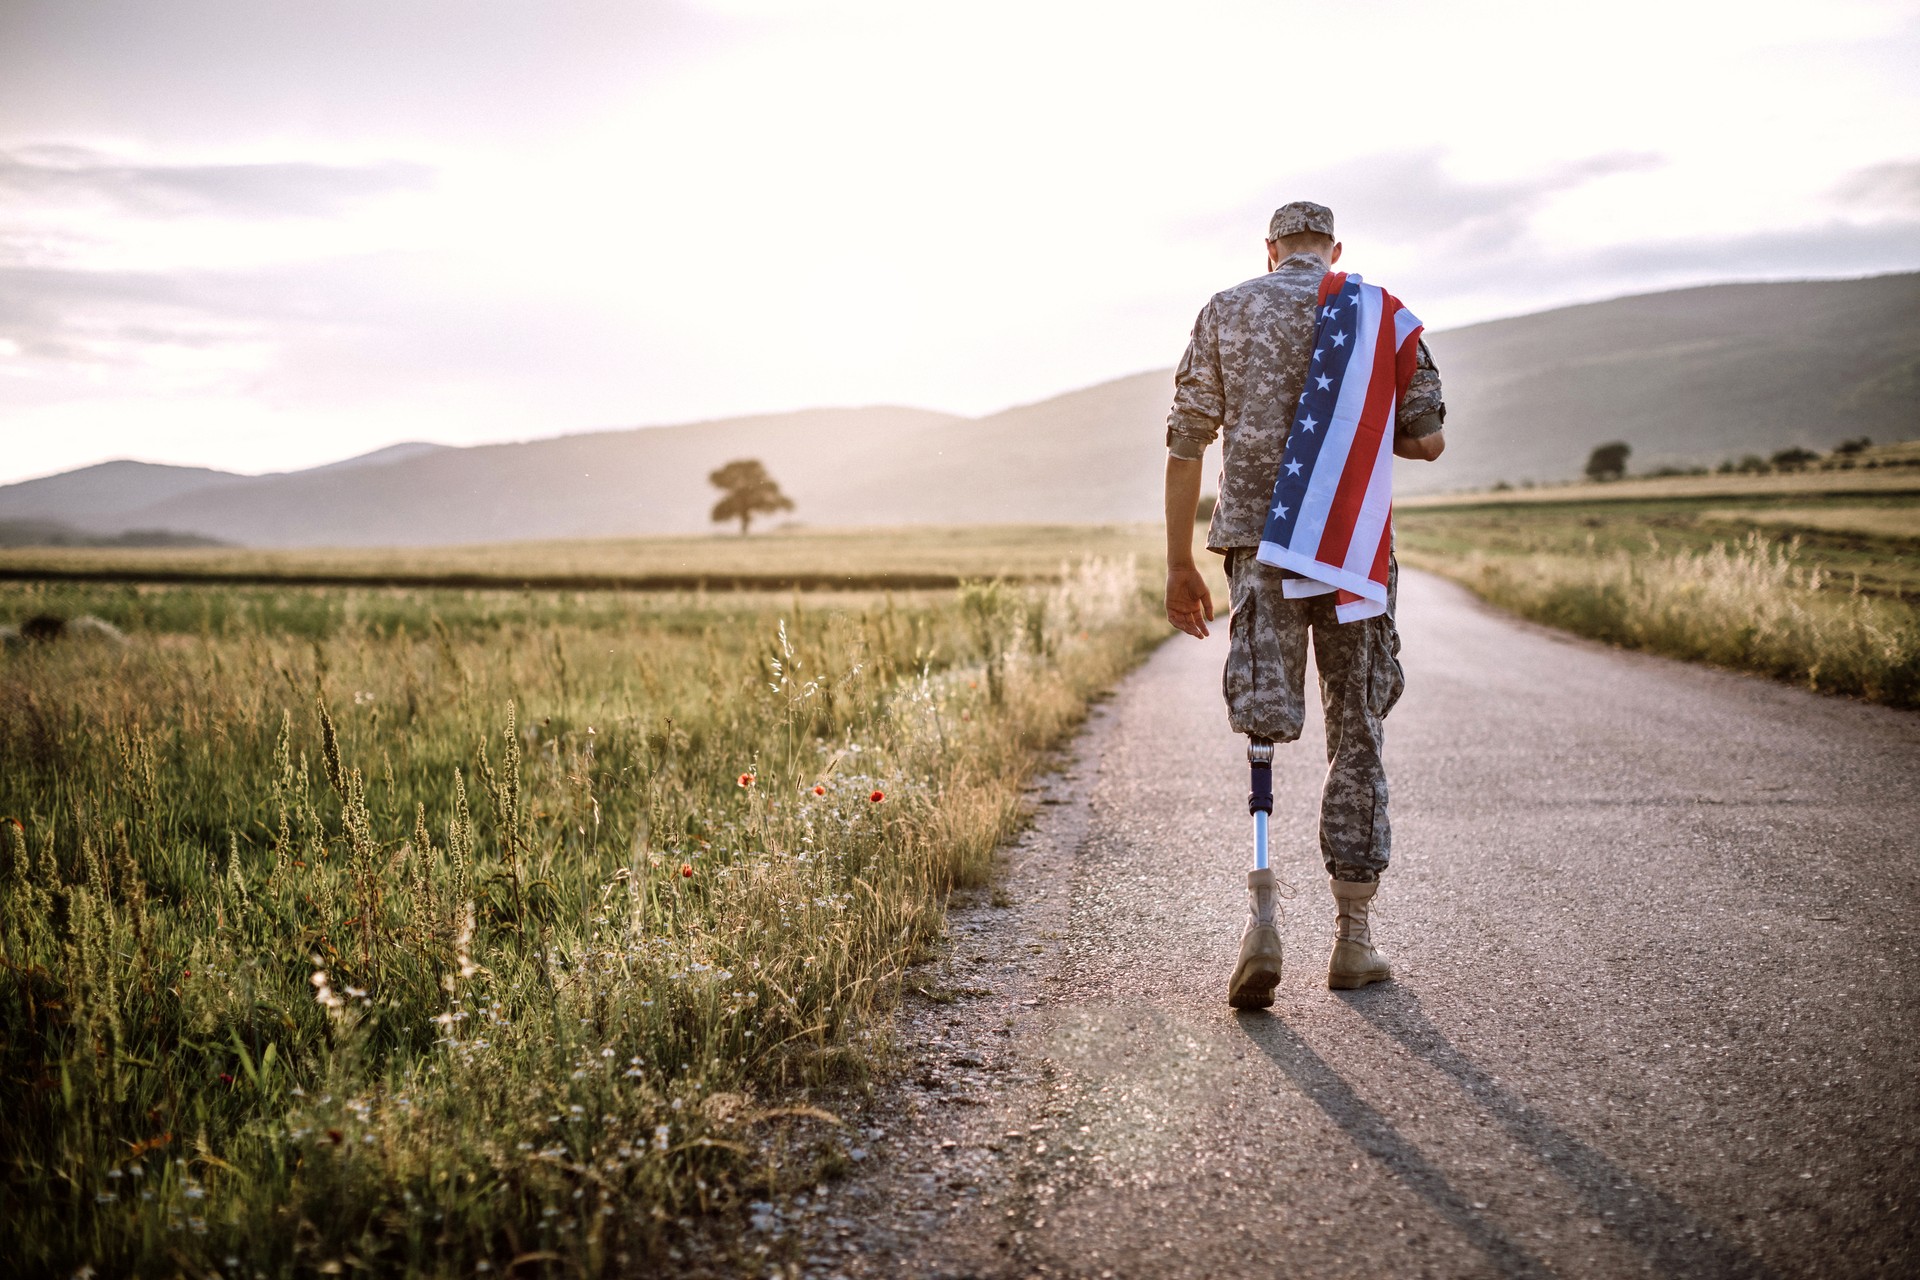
(1689, 376)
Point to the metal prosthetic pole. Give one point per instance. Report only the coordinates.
(1260, 797)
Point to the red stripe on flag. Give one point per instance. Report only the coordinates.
(1379, 571)
(1330, 284)
(1409, 354)
(1365, 450)
(1408, 360)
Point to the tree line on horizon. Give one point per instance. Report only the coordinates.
(1608, 462)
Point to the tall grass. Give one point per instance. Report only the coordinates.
(1753, 606)
(482, 929)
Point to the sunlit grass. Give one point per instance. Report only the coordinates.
(969, 551)
(1753, 606)
(1879, 521)
(412, 931)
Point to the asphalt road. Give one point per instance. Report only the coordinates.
(1657, 937)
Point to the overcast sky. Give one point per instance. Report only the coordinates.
(260, 235)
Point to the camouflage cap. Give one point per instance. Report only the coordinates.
(1301, 215)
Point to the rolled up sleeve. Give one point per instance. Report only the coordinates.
(1423, 410)
(1198, 402)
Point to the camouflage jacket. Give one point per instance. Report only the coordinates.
(1240, 379)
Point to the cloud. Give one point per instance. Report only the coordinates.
(1503, 284)
(1894, 185)
(1462, 251)
(287, 189)
(119, 318)
(1409, 198)
(192, 71)
(331, 332)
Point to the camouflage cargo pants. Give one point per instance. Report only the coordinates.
(1360, 680)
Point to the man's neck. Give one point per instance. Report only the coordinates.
(1304, 257)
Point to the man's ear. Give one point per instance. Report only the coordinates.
(1273, 254)
(1336, 254)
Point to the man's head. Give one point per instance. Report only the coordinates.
(1301, 227)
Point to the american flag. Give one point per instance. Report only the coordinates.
(1332, 516)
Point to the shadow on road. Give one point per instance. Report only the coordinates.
(1374, 1134)
(1673, 1241)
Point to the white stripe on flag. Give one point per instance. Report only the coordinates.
(1325, 479)
(1355, 610)
(1303, 588)
(1404, 323)
(1280, 557)
(1371, 522)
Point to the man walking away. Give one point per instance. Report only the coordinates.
(1247, 377)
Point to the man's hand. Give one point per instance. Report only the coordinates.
(1189, 603)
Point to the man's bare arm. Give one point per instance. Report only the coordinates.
(1424, 448)
(1189, 603)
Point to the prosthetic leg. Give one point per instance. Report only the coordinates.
(1260, 796)
(1258, 972)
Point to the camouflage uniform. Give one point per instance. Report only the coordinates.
(1240, 379)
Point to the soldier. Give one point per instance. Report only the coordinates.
(1241, 377)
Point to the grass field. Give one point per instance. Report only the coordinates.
(1894, 482)
(1822, 591)
(1885, 522)
(409, 931)
(932, 556)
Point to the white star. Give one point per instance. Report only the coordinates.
(1293, 468)
(1328, 311)
(1318, 354)
(1303, 397)
(1279, 512)
(1339, 339)
(1323, 382)
(1309, 424)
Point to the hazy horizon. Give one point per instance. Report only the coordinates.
(615, 427)
(262, 236)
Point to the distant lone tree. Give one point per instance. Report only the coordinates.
(1608, 461)
(1793, 459)
(746, 491)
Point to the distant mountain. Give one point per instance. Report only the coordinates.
(381, 457)
(52, 533)
(99, 498)
(1690, 376)
(651, 480)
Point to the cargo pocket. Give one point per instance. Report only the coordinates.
(1239, 679)
(1386, 680)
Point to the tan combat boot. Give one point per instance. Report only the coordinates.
(1258, 972)
(1355, 963)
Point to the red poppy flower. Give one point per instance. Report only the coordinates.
(186, 973)
(746, 779)
(877, 797)
(819, 791)
(225, 1078)
(686, 869)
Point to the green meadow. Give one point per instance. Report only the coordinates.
(429, 932)
(1822, 590)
